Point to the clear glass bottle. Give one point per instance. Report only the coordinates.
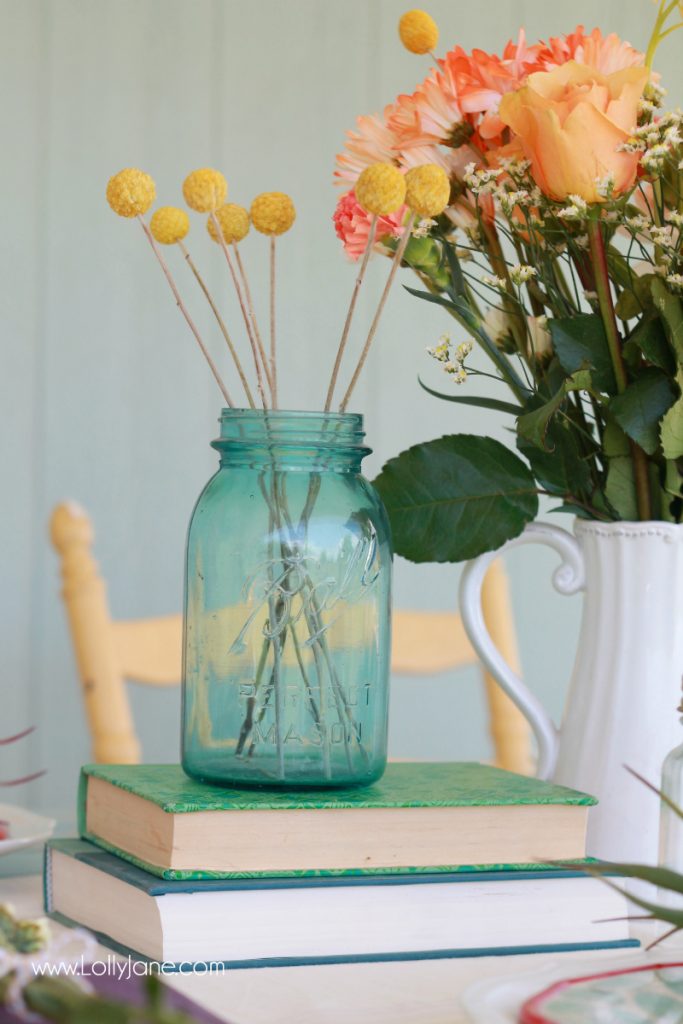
(671, 824)
(287, 608)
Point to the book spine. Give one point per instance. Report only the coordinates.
(81, 804)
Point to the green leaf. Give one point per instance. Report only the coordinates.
(574, 510)
(554, 377)
(620, 488)
(671, 431)
(650, 339)
(457, 286)
(615, 441)
(663, 878)
(533, 425)
(628, 307)
(636, 290)
(640, 408)
(673, 480)
(455, 305)
(562, 470)
(455, 497)
(664, 797)
(580, 341)
(478, 400)
(671, 312)
(672, 492)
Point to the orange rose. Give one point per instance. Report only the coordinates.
(571, 122)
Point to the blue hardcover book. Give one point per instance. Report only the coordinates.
(270, 922)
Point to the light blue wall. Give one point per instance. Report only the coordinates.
(104, 397)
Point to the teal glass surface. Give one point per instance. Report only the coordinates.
(287, 608)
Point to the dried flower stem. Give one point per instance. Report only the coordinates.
(273, 362)
(245, 315)
(183, 310)
(349, 315)
(220, 322)
(252, 314)
(395, 264)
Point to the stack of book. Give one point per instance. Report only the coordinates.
(434, 860)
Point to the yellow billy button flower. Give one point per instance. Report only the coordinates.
(131, 192)
(169, 225)
(418, 31)
(381, 189)
(272, 213)
(234, 223)
(427, 190)
(205, 190)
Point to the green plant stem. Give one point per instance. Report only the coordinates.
(602, 288)
(657, 34)
(574, 500)
(510, 303)
(508, 373)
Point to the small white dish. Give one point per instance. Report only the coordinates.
(25, 828)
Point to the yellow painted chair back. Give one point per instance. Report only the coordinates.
(111, 652)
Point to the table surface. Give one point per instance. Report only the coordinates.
(415, 992)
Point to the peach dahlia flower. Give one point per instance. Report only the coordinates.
(372, 143)
(482, 79)
(606, 54)
(459, 99)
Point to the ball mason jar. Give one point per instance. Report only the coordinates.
(287, 608)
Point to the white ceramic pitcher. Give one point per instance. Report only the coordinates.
(626, 685)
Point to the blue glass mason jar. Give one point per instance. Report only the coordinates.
(287, 608)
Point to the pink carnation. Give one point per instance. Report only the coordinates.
(352, 224)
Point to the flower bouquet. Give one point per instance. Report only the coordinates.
(558, 254)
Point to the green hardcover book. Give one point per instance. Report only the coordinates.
(424, 817)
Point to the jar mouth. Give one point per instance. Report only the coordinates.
(291, 428)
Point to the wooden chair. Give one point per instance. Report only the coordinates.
(109, 652)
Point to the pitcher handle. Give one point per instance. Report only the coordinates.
(569, 578)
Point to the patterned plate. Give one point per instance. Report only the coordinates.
(497, 999)
(637, 995)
